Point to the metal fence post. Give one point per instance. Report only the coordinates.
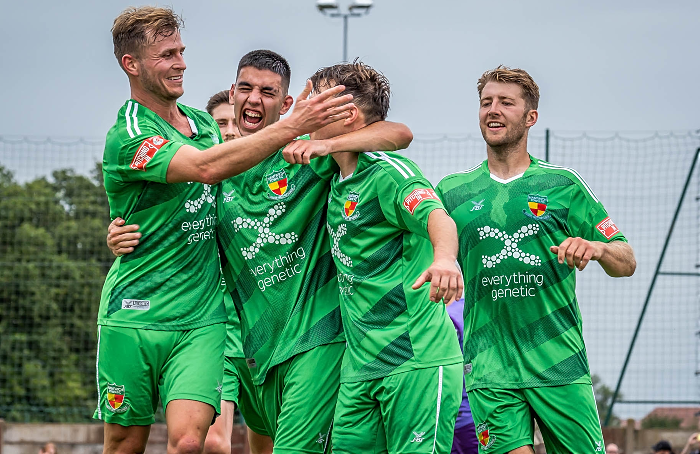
(651, 287)
(546, 144)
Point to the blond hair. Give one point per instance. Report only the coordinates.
(136, 27)
(503, 74)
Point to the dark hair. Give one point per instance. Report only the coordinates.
(134, 28)
(219, 98)
(369, 88)
(271, 61)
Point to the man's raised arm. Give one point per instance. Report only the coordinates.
(231, 158)
(378, 136)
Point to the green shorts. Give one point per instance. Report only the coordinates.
(137, 366)
(566, 415)
(247, 398)
(232, 381)
(298, 399)
(410, 412)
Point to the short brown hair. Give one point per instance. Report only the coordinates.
(216, 100)
(369, 88)
(135, 28)
(503, 74)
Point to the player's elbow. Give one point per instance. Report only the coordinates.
(405, 136)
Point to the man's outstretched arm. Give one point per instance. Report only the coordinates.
(231, 158)
(443, 274)
(378, 136)
(616, 257)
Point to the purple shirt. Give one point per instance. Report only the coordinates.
(456, 313)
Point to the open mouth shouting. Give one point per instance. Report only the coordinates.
(251, 119)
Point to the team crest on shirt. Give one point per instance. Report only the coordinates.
(486, 440)
(350, 212)
(277, 182)
(115, 398)
(537, 207)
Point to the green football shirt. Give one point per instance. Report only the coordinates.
(522, 324)
(276, 259)
(378, 223)
(234, 347)
(171, 281)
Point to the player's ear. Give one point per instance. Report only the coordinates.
(354, 116)
(532, 116)
(130, 65)
(287, 104)
(230, 93)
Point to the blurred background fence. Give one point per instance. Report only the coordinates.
(53, 260)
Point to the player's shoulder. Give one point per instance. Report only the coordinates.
(132, 120)
(393, 165)
(575, 178)
(461, 177)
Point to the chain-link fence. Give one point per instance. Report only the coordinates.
(53, 260)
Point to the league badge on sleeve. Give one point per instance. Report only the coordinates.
(607, 227)
(146, 151)
(537, 207)
(414, 199)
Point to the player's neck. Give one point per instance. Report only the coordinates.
(165, 109)
(505, 163)
(347, 161)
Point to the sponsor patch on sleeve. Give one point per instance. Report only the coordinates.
(416, 197)
(146, 151)
(607, 227)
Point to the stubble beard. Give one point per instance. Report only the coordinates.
(510, 142)
(158, 90)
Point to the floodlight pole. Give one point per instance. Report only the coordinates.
(335, 12)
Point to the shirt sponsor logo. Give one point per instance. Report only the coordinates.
(416, 197)
(264, 234)
(350, 212)
(510, 245)
(139, 305)
(146, 151)
(486, 440)
(277, 182)
(477, 205)
(115, 398)
(192, 206)
(336, 235)
(537, 207)
(607, 227)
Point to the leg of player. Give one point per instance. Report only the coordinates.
(121, 439)
(218, 439)
(188, 422)
(259, 444)
(523, 450)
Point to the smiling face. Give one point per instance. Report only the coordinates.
(160, 67)
(504, 118)
(259, 99)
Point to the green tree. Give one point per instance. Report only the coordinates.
(603, 399)
(53, 262)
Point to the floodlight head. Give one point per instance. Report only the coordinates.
(361, 6)
(327, 5)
